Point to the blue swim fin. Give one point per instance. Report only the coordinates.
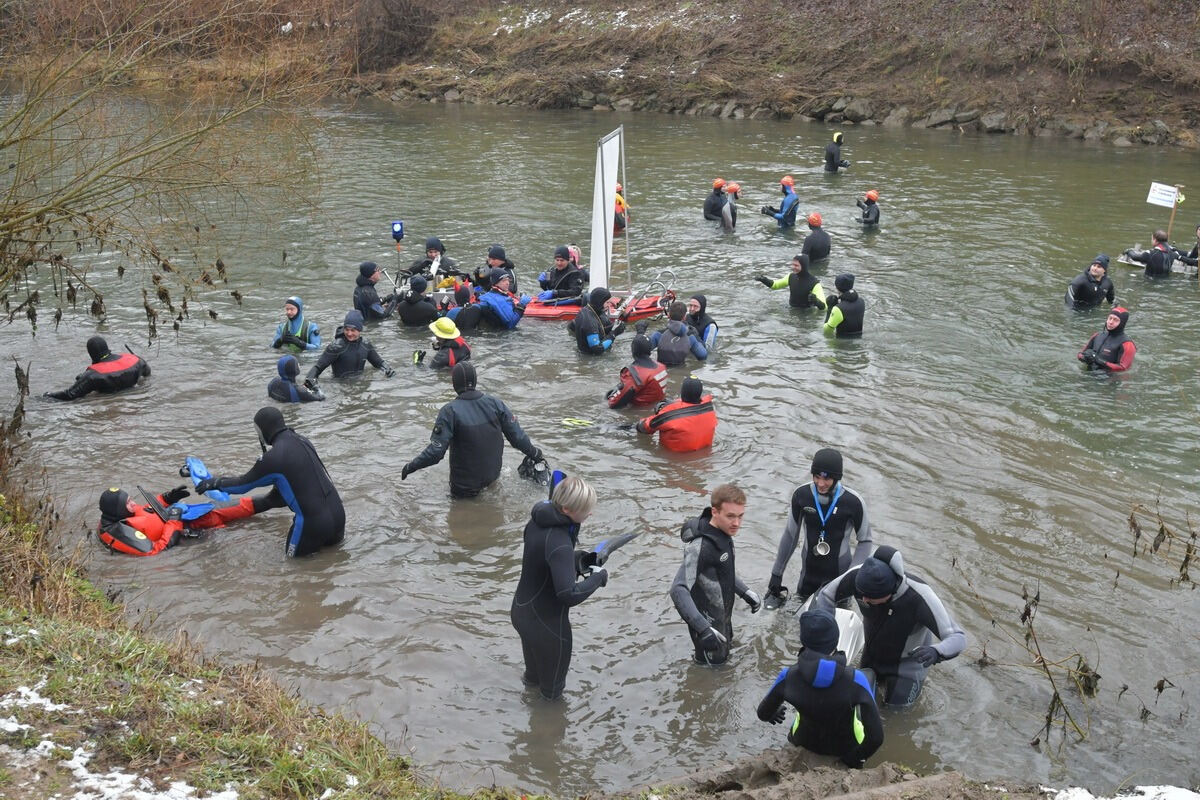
(556, 477)
(198, 472)
(605, 548)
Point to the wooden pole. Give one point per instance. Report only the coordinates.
(1174, 206)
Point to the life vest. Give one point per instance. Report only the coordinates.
(683, 427)
(118, 364)
(853, 311)
(1108, 346)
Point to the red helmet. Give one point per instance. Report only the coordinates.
(718, 183)
(814, 219)
(873, 195)
(787, 180)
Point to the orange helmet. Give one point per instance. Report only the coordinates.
(873, 195)
(787, 180)
(814, 219)
(619, 187)
(733, 188)
(718, 183)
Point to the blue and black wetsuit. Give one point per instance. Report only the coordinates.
(705, 585)
(285, 389)
(835, 707)
(548, 587)
(299, 480)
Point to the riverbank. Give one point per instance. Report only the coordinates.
(1095, 72)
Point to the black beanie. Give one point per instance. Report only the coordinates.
(434, 243)
(418, 284)
(463, 377)
(844, 282)
(113, 502)
(367, 268)
(497, 252)
(818, 631)
(874, 579)
(97, 348)
(691, 391)
(562, 252)
(641, 347)
(827, 462)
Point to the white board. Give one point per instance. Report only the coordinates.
(604, 199)
(1162, 194)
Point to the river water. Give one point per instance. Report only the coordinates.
(983, 452)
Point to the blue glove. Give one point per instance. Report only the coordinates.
(524, 299)
(543, 277)
(546, 295)
(926, 655)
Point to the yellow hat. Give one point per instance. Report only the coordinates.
(444, 328)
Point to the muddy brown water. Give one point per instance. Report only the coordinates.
(981, 449)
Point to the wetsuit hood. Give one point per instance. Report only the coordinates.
(269, 423)
(598, 297)
(546, 515)
(1123, 314)
(703, 301)
(692, 390)
(354, 319)
(97, 348)
(463, 377)
(297, 302)
(827, 462)
(563, 252)
(820, 670)
(288, 368)
(462, 294)
(113, 504)
(641, 347)
(844, 282)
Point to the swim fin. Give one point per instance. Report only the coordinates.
(196, 469)
(606, 548)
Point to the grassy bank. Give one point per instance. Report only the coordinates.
(89, 701)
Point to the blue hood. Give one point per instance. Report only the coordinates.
(288, 368)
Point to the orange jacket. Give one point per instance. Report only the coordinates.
(147, 534)
(683, 427)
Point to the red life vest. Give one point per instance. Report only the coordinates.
(683, 427)
(118, 364)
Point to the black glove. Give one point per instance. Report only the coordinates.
(768, 210)
(388, 372)
(832, 300)
(1129, 253)
(765, 281)
(779, 716)
(208, 484)
(176, 494)
(642, 327)
(618, 329)
(404, 471)
(712, 639)
(844, 164)
(661, 405)
(926, 655)
(860, 204)
(603, 573)
(311, 384)
(536, 455)
(174, 513)
(1088, 356)
(418, 356)
(292, 339)
(278, 343)
(777, 596)
(584, 561)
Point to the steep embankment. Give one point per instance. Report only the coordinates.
(1124, 73)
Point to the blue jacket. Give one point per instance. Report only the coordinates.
(787, 209)
(500, 309)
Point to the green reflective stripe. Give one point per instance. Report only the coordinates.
(818, 294)
(859, 732)
(796, 722)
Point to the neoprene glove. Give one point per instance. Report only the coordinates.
(388, 371)
(832, 300)
(779, 716)
(293, 339)
(767, 210)
(926, 655)
(753, 601)
(1129, 253)
(536, 455)
(176, 494)
(618, 329)
(208, 484)
(844, 163)
(584, 561)
(418, 356)
(603, 573)
(174, 512)
(1088, 356)
(404, 471)
(765, 281)
(278, 343)
(311, 384)
(546, 295)
(712, 639)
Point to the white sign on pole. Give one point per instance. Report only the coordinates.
(1162, 194)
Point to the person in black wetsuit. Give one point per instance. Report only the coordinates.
(1158, 259)
(564, 280)
(298, 479)
(284, 388)
(550, 584)
(714, 201)
(845, 310)
(466, 314)
(835, 706)
(449, 346)
(1192, 258)
(496, 259)
(436, 266)
(1092, 286)
(804, 290)
(416, 308)
(901, 615)
(707, 580)
(348, 354)
(366, 298)
(108, 373)
(701, 321)
(593, 325)
(817, 243)
(473, 428)
(869, 206)
(833, 154)
(822, 516)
